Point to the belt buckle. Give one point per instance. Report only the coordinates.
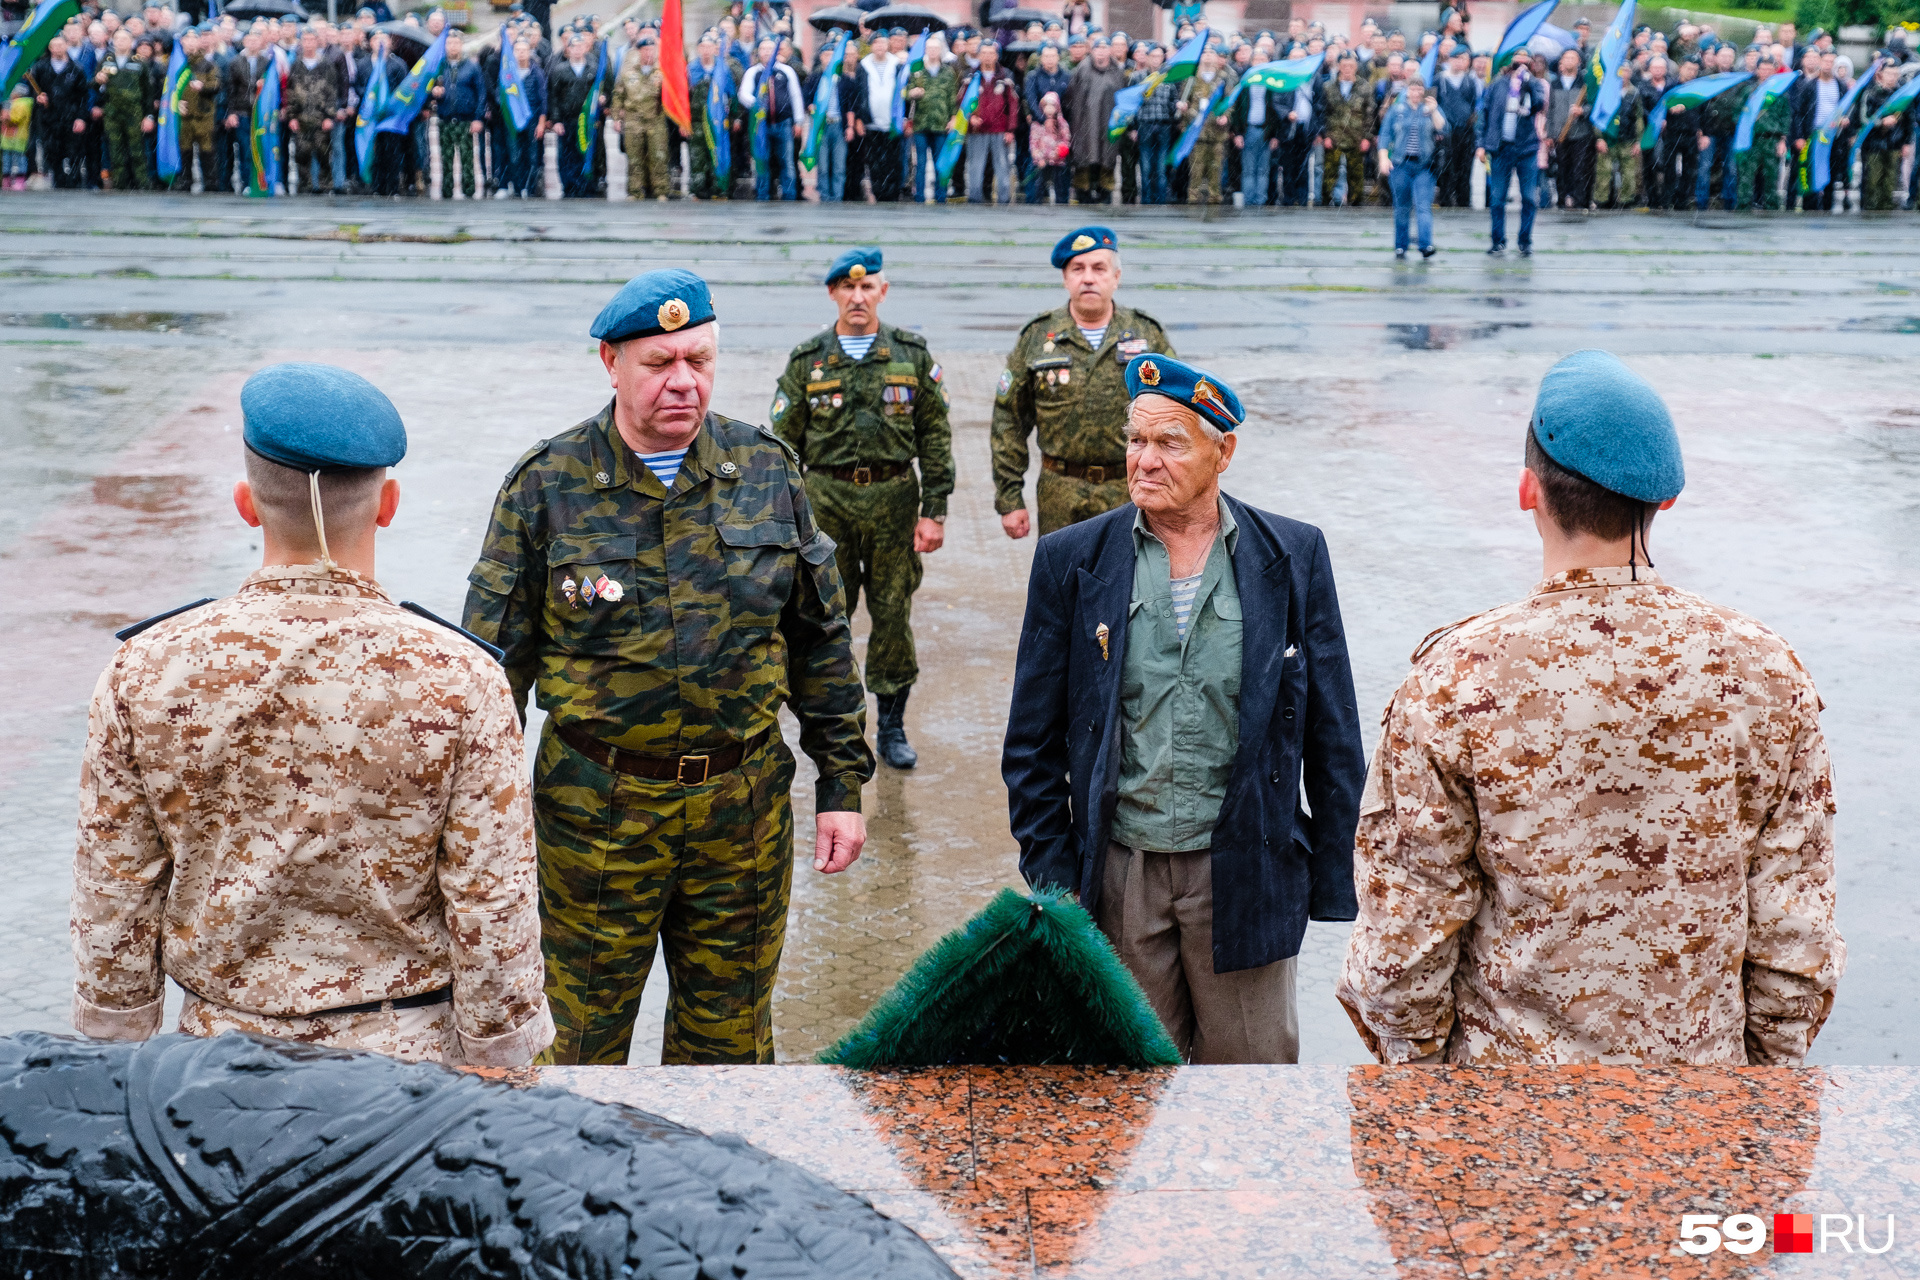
(863, 475)
(680, 773)
(1096, 475)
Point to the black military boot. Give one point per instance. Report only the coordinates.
(893, 730)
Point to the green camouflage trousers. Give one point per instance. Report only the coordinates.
(1617, 175)
(456, 139)
(1880, 171)
(626, 862)
(646, 148)
(1759, 171)
(872, 526)
(126, 148)
(1064, 500)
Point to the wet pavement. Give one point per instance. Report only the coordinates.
(1386, 404)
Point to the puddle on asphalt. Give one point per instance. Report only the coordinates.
(1444, 337)
(1882, 324)
(115, 321)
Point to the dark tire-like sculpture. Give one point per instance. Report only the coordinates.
(242, 1156)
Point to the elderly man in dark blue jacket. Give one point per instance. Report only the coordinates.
(1182, 683)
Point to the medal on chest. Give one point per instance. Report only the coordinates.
(570, 591)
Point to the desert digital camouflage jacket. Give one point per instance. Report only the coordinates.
(300, 798)
(889, 407)
(1598, 828)
(725, 602)
(1074, 396)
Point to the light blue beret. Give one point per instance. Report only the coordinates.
(1083, 240)
(1205, 394)
(867, 258)
(315, 417)
(658, 302)
(1597, 418)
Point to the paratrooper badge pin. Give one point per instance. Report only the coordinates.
(571, 592)
(1101, 633)
(586, 590)
(672, 314)
(1149, 374)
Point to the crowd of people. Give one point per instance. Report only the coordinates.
(868, 118)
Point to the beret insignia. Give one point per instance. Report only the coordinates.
(1082, 242)
(856, 272)
(673, 314)
(1150, 374)
(1204, 392)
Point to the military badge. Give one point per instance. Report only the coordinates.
(587, 593)
(780, 406)
(856, 272)
(1047, 347)
(1066, 376)
(836, 401)
(1131, 346)
(934, 373)
(673, 313)
(571, 592)
(1082, 243)
(1006, 383)
(1053, 377)
(608, 589)
(1205, 393)
(1149, 374)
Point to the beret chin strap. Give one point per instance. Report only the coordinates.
(319, 520)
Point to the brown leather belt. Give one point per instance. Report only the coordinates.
(1091, 472)
(868, 473)
(688, 771)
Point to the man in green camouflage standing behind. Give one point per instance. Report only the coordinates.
(656, 577)
(859, 402)
(1066, 380)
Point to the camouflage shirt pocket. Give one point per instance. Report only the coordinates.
(590, 577)
(760, 567)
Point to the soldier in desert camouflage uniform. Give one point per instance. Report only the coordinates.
(637, 113)
(1067, 380)
(859, 402)
(656, 577)
(304, 803)
(1599, 823)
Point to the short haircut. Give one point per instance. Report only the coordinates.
(281, 496)
(1578, 505)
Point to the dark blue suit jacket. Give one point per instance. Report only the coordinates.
(1276, 864)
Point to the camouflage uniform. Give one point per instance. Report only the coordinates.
(197, 120)
(839, 413)
(286, 830)
(1346, 122)
(1598, 828)
(728, 605)
(124, 106)
(643, 129)
(1076, 398)
(1759, 165)
(1209, 157)
(313, 96)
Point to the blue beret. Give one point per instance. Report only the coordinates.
(657, 302)
(1205, 394)
(897, 31)
(315, 417)
(1084, 240)
(854, 264)
(1599, 419)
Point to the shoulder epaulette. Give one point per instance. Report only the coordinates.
(128, 633)
(793, 455)
(513, 472)
(812, 344)
(1438, 634)
(1036, 322)
(498, 654)
(909, 337)
(1139, 314)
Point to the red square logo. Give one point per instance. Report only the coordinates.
(1793, 1233)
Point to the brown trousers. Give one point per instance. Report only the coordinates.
(1157, 910)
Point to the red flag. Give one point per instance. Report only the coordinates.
(675, 100)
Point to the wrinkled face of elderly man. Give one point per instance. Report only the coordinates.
(1174, 458)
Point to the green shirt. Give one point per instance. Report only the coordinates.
(934, 112)
(1179, 698)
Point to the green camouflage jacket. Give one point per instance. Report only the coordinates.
(1347, 120)
(890, 407)
(125, 90)
(1074, 396)
(709, 607)
(1195, 98)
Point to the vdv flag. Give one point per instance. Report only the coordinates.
(916, 58)
(1282, 77)
(1522, 29)
(589, 126)
(1606, 67)
(373, 105)
(719, 105)
(1690, 94)
(1187, 61)
(957, 130)
(1192, 134)
(28, 43)
(1823, 136)
(1770, 88)
(1893, 106)
(1126, 105)
(263, 134)
(817, 127)
(762, 108)
(167, 145)
(512, 92)
(412, 93)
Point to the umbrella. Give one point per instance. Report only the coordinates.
(913, 17)
(408, 33)
(265, 9)
(868, 6)
(1020, 17)
(1021, 46)
(842, 17)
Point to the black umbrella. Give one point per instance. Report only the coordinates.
(842, 17)
(913, 17)
(265, 9)
(1021, 17)
(868, 6)
(1021, 46)
(407, 33)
